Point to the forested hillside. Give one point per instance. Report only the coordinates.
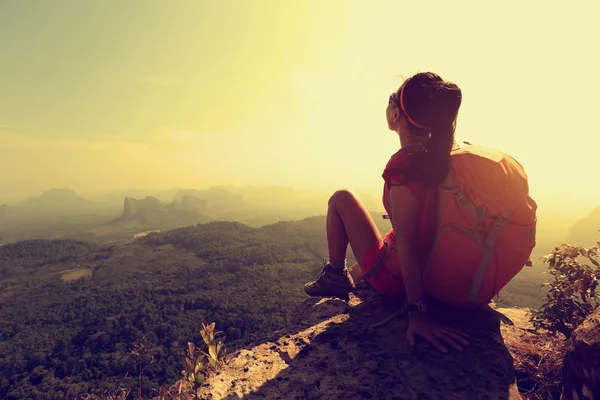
(72, 311)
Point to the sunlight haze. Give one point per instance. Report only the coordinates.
(110, 95)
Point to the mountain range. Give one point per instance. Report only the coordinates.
(586, 231)
(56, 200)
(73, 309)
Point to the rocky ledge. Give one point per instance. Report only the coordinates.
(338, 350)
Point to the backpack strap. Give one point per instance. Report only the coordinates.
(462, 199)
(490, 241)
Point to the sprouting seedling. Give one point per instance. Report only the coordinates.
(214, 345)
(194, 366)
(196, 369)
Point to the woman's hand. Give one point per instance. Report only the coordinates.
(435, 333)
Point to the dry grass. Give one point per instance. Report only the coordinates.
(74, 274)
(538, 360)
(6, 294)
(145, 233)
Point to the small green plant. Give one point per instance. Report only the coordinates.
(200, 362)
(214, 345)
(193, 374)
(196, 367)
(572, 296)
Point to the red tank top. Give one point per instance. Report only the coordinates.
(395, 173)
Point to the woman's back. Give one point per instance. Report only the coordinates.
(396, 173)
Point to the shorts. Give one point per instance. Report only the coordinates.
(383, 281)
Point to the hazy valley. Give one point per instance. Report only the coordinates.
(120, 267)
(119, 215)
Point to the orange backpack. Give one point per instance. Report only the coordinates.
(486, 227)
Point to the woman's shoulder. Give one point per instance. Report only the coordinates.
(398, 166)
(399, 160)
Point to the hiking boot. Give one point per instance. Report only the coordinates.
(331, 282)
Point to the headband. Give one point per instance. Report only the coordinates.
(412, 121)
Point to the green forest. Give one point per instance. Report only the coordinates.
(72, 311)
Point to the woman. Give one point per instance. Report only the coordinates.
(423, 113)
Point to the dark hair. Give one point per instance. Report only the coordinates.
(432, 103)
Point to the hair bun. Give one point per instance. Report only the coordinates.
(431, 101)
(434, 103)
(447, 101)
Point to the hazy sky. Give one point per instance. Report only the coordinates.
(99, 95)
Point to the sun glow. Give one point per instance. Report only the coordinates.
(207, 93)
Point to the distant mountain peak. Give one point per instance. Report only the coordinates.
(586, 231)
(154, 212)
(60, 191)
(56, 198)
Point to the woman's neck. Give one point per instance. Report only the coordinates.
(411, 144)
(407, 140)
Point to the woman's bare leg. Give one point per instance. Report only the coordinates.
(348, 221)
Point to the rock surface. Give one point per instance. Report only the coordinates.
(581, 366)
(153, 212)
(332, 351)
(133, 208)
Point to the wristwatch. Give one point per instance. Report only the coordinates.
(419, 306)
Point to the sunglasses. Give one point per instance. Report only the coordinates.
(393, 100)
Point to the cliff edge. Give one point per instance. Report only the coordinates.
(338, 350)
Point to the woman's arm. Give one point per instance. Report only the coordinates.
(405, 211)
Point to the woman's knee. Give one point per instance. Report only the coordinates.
(342, 196)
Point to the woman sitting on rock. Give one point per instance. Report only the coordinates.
(423, 113)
